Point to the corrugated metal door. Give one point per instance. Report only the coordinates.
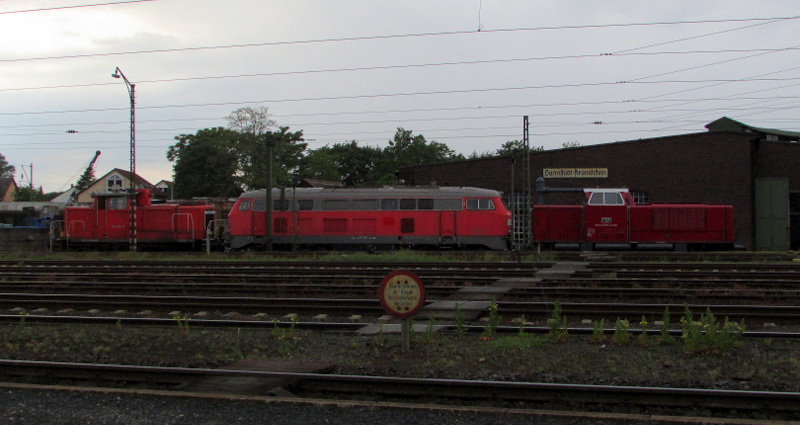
(772, 214)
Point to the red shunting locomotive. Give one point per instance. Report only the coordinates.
(107, 222)
(610, 218)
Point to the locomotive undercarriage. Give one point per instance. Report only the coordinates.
(367, 243)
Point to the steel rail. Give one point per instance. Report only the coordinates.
(719, 295)
(267, 265)
(713, 266)
(188, 303)
(667, 281)
(332, 326)
(769, 403)
(634, 311)
(261, 276)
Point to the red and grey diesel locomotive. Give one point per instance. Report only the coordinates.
(372, 218)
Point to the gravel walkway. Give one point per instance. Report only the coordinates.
(62, 407)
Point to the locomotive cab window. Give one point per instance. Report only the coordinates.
(260, 205)
(480, 204)
(117, 203)
(606, 199)
(244, 205)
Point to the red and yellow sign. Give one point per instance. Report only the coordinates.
(402, 294)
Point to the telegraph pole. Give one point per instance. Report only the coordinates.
(268, 225)
(526, 185)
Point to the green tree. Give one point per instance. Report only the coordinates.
(205, 164)
(29, 194)
(6, 170)
(357, 163)
(408, 150)
(348, 163)
(256, 131)
(319, 164)
(510, 147)
(86, 179)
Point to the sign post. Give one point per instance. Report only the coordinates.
(402, 295)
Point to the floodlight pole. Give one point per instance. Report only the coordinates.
(132, 94)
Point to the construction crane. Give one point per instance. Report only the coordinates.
(74, 195)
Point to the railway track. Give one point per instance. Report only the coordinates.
(762, 291)
(537, 310)
(121, 296)
(335, 326)
(528, 395)
(159, 271)
(696, 291)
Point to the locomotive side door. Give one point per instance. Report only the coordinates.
(101, 220)
(606, 216)
(447, 227)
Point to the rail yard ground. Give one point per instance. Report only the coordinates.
(620, 357)
(756, 364)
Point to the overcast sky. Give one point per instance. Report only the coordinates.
(459, 72)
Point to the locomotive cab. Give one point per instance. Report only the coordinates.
(607, 215)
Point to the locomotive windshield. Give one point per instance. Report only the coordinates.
(117, 202)
(606, 198)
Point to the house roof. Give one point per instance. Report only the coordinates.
(63, 198)
(5, 184)
(126, 174)
(728, 124)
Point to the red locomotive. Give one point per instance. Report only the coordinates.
(107, 222)
(393, 217)
(611, 218)
(372, 218)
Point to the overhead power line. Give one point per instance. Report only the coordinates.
(389, 95)
(50, 9)
(391, 36)
(431, 64)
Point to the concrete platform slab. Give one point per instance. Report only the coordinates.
(480, 293)
(446, 309)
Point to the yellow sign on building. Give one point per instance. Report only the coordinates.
(575, 173)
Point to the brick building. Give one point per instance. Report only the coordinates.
(754, 169)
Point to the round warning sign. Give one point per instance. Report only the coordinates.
(402, 294)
